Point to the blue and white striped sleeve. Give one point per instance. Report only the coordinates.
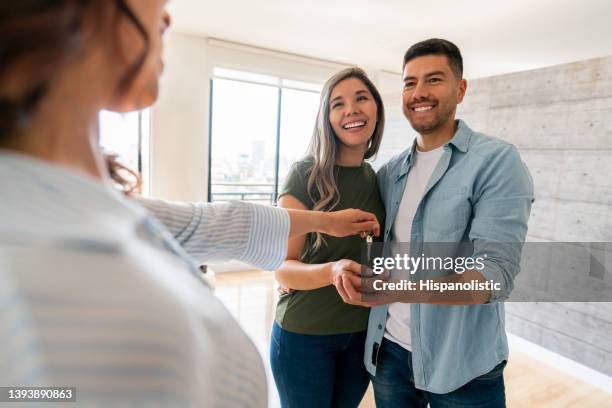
(251, 233)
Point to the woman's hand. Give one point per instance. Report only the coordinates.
(358, 288)
(351, 222)
(283, 290)
(344, 267)
(347, 274)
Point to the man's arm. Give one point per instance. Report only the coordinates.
(502, 203)
(298, 275)
(500, 214)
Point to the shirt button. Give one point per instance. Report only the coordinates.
(380, 327)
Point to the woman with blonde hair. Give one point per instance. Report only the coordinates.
(317, 339)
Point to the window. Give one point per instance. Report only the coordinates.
(299, 112)
(127, 135)
(260, 126)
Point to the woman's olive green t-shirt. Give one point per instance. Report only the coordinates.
(322, 311)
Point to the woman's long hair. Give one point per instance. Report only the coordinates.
(323, 149)
(125, 179)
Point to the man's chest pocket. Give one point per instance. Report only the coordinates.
(447, 213)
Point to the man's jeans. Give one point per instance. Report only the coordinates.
(394, 385)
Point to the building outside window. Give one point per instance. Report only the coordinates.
(260, 126)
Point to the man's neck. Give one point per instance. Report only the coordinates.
(439, 137)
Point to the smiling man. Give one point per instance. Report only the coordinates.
(453, 185)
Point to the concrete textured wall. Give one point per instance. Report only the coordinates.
(560, 118)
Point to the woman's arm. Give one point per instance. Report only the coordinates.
(341, 223)
(293, 273)
(255, 234)
(298, 275)
(250, 233)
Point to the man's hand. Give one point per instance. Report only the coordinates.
(351, 222)
(360, 291)
(352, 287)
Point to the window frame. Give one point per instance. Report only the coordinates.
(280, 85)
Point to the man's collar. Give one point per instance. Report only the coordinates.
(461, 141)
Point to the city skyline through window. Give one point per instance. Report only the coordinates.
(260, 126)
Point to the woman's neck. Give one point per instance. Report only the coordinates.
(64, 130)
(350, 156)
(70, 143)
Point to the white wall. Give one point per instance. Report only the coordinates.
(180, 122)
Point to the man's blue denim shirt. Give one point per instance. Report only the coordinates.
(480, 192)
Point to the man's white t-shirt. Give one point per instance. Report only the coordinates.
(398, 319)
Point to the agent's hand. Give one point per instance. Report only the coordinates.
(351, 222)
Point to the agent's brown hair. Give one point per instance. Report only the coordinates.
(126, 180)
(37, 38)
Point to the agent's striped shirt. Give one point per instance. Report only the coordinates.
(96, 294)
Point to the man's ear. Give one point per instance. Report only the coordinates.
(461, 91)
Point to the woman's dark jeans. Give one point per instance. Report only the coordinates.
(318, 371)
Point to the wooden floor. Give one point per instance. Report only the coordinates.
(251, 297)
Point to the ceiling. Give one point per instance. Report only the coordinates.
(495, 37)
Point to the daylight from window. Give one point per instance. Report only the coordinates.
(127, 135)
(251, 154)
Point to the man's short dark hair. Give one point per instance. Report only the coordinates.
(437, 46)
